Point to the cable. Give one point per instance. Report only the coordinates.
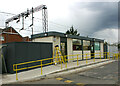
(65, 27)
(57, 25)
(7, 13)
(38, 19)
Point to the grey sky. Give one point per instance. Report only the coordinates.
(92, 18)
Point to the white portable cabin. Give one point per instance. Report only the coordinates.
(72, 44)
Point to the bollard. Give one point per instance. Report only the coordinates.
(41, 67)
(16, 73)
(77, 60)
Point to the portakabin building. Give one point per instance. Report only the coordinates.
(72, 44)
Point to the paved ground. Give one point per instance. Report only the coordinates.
(52, 69)
(107, 74)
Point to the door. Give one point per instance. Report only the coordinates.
(92, 49)
(105, 50)
(63, 46)
(63, 49)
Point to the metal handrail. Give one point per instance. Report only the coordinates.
(101, 54)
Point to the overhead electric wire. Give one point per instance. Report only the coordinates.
(38, 20)
(55, 23)
(65, 26)
(7, 13)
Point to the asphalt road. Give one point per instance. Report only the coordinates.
(107, 74)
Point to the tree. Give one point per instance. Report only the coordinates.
(72, 31)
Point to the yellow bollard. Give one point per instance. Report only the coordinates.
(16, 73)
(77, 60)
(86, 59)
(41, 67)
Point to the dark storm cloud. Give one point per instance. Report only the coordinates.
(109, 13)
(101, 15)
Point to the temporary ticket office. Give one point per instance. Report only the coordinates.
(71, 44)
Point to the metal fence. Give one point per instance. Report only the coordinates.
(63, 60)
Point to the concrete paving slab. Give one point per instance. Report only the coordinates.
(47, 70)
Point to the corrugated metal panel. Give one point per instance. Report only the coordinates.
(19, 52)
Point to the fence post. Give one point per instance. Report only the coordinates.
(16, 73)
(109, 56)
(86, 59)
(94, 56)
(41, 67)
(77, 60)
(100, 56)
(105, 55)
(113, 56)
(66, 61)
(117, 56)
(61, 63)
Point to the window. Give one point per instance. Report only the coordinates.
(97, 46)
(86, 45)
(2, 38)
(77, 44)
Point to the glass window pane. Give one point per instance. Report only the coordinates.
(97, 46)
(77, 44)
(86, 45)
